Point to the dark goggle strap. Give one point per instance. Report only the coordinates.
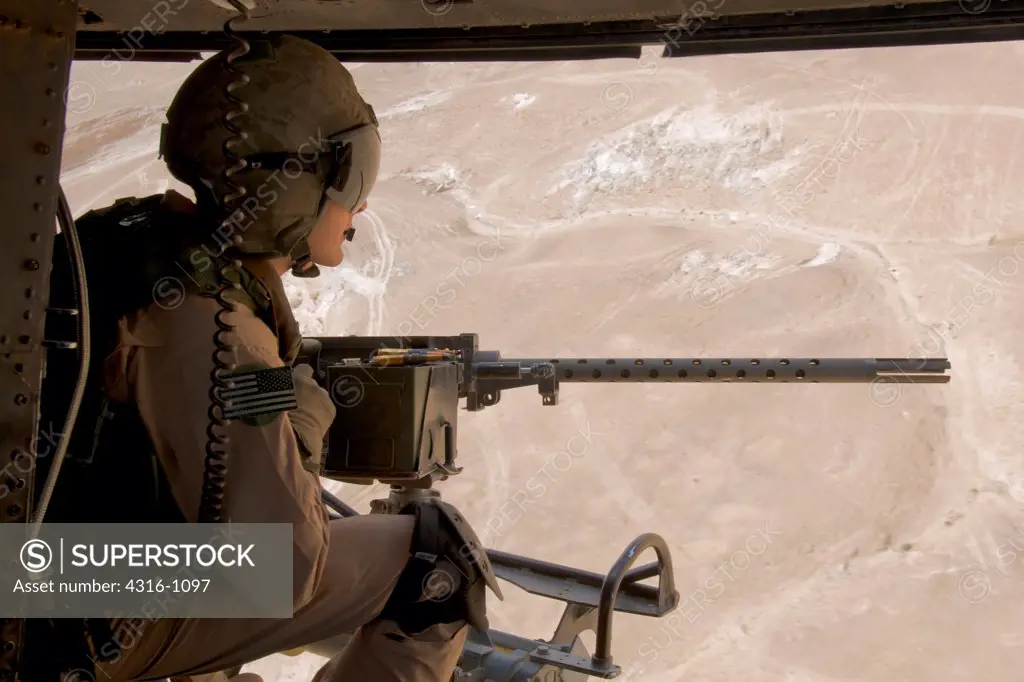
(292, 161)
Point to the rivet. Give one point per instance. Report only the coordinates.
(3, 338)
(38, 208)
(40, 180)
(14, 510)
(27, 314)
(31, 264)
(34, 237)
(42, 147)
(25, 338)
(52, 66)
(20, 399)
(46, 123)
(29, 293)
(50, 92)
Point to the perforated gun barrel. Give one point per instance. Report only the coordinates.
(734, 370)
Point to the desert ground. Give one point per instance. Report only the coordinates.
(818, 204)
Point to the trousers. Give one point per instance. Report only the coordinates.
(366, 556)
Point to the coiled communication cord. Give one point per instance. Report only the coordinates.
(216, 464)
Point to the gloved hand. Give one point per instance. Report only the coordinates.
(311, 419)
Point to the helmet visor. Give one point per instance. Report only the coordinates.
(353, 186)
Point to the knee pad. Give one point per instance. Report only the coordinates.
(447, 575)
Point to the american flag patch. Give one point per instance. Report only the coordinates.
(261, 391)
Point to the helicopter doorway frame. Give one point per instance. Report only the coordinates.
(37, 40)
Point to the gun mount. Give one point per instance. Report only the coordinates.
(398, 400)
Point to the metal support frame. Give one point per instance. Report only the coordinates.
(702, 29)
(591, 599)
(37, 39)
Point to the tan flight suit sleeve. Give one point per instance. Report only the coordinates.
(164, 366)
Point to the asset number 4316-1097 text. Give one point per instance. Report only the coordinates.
(175, 585)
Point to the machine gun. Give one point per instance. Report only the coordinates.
(398, 401)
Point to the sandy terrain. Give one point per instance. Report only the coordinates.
(815, 204)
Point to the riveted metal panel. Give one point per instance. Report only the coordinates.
(36, 44)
